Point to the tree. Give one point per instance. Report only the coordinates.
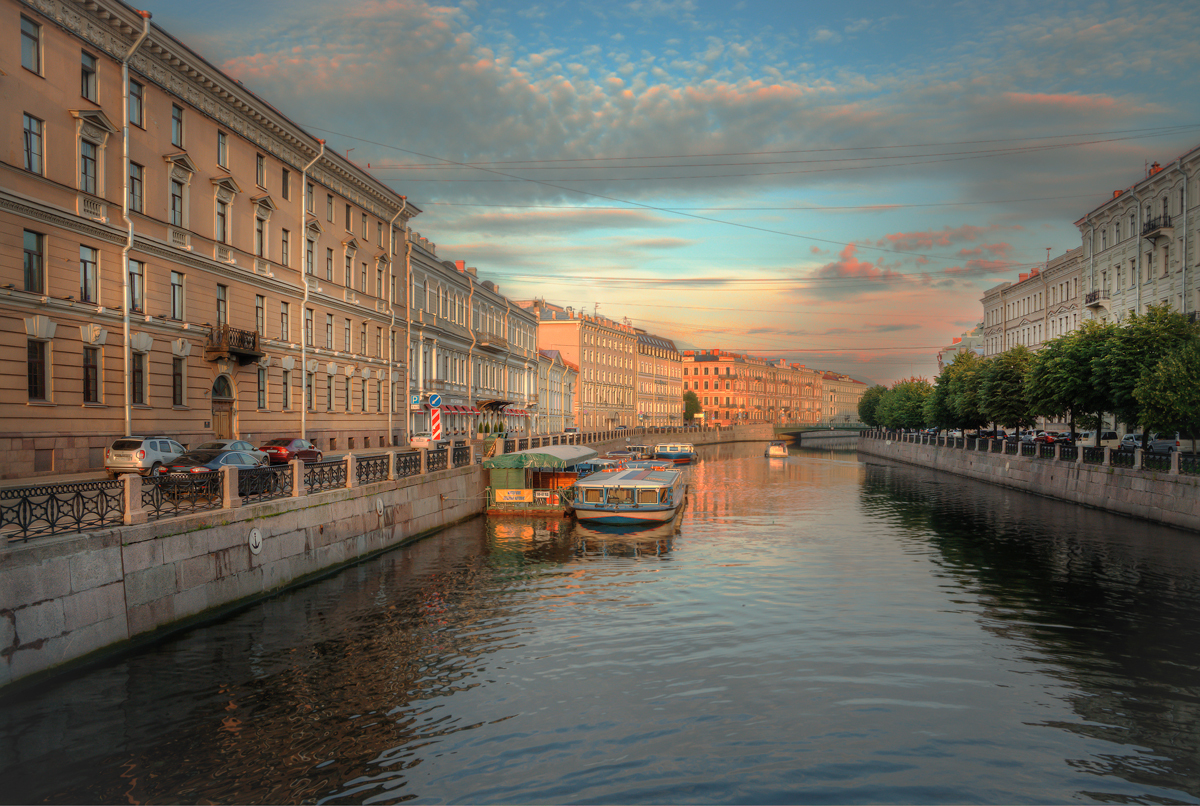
(938, 412)
(966, 372)
(1134, 350)
(1061, 381)
(868, 403)
(1169, 394)
(903, 406)
(1002, 389)
(691, 405)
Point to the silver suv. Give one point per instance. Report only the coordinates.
(144, 455)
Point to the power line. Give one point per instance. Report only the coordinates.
(811, 209)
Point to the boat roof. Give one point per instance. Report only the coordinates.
(630, 477)
(686, 446)
(550, 456)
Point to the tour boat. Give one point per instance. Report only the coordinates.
(628, 496)
(777, 449)
(650, 464)
(681, 453)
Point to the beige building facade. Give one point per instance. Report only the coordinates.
(557, 381)
(840, 395)
(1044, 303)
(1139, 246)
(659, 381)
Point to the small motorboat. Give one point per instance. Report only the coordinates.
(681, 453)
(777, 449)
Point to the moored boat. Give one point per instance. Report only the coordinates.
(777, 449)
(681, 453)
(629, 496)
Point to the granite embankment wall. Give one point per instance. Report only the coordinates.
(67, 597)
(1160, 496)
(827, 439)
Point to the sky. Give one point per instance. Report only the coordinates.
(831, 183)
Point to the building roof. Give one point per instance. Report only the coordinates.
(656, 341)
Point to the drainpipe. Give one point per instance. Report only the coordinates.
(1138, 278)
(1092, 259)
(392, 326)
(137, 43)
(304, 304)
(1183, 256)
(408, 301)
(474, 341)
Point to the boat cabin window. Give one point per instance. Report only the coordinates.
(620, 495)
(593, 496)
(647, 496)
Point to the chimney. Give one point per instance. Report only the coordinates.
(1117, 193)
(1155, 168)
(461, 265)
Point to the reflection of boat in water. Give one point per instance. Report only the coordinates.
(628, 540)
(630, 496)
(777, 449)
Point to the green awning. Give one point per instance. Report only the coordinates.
(555, 457)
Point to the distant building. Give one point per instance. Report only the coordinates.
(554, 402)
(659, 381)
(971, 341)
(840, 396)
(1042, 304)
(735, 388)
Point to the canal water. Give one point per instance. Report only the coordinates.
(826, 628)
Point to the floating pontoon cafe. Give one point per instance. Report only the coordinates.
(536, 481)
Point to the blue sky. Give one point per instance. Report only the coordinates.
(835, 183)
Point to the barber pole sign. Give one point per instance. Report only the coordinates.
(435, 422)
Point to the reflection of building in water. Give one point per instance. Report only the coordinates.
(1106, 605)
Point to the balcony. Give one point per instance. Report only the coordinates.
(1158, 227)
(1096, 299)
(229, 342)
(492, 342)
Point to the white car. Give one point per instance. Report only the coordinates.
(426, 440)
(144, 455)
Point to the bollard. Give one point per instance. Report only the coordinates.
(1107, 456)
(229, 488)
(298, 488)
(1174, 463)
(425, 460)
(349, 470)
(1057, 451)
(135, 513)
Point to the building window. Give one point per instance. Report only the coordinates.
(262, 388)
(176, 125)
(222, 222)
(329, 331)
(31, 45)
(36, 362)
(34, 147)
(222, 304)
(329, 265)
(222, 149)
(329, 207)
(283, 321)
(137, 175)
(363, 279)
(287, 389)
(177, 376)
(308, 326)
(310, 247)
(176, 203)
(87, 166)
(346, 334)
(285, 247)
(286, 188)
(138, 378)
(308, 391)
(91, 374)
(88, 273)
(362, 339)
(329, 393)
(349, 225)
(137, 285)
(136, 102)
(259, 313)
(362, 396)
(177, 295)
(378, 342)
(349, 270)
(87, 76)
(35, 262)
(309, 191)
(364, 226)
(260, 236)
(347, 400)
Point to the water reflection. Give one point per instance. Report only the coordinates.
(815, 629)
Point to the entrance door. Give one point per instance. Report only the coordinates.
(222, 419)
(222, 408)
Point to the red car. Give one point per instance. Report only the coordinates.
(284, 449)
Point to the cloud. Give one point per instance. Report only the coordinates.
(947, 236)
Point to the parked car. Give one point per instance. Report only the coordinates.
(999, 433)
(1131, 441)
(571, 429)
(284, 449)
(1108, 439)
(202, 461)
(232, 445)
(1164, 443)
(621, 427)
(143, 455)
(1053, 438)
(956, 433)
(426, 440)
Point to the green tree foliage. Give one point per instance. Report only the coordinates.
(965, 373)
(903, 406)
(868, 403)
(1002, 389)
(937, 406)
(691, 405)
(1168, 395)
(1134, 350)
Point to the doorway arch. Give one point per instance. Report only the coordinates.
(222, 407)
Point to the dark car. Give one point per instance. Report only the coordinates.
(202, 461)
(284, 449)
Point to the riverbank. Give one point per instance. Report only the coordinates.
(1163, 496)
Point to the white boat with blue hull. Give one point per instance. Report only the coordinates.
(629, 497)
(681, 453)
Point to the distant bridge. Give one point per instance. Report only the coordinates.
(802, 428)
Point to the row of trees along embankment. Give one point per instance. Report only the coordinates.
(1144, 371)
